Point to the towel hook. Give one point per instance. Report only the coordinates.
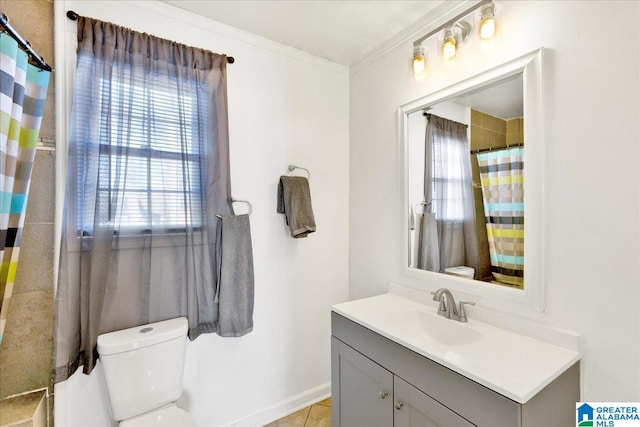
(244, 201)
(293, 167)
(241, 201)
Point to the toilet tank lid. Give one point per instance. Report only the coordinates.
(142, 336)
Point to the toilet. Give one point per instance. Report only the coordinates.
(143, 369)
(461, 271)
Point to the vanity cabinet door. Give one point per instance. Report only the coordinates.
(414, 408)
(362, 391)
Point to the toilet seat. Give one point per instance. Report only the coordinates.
(167, 416)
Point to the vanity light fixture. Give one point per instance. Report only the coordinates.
(455, 32)
(487, 22)
(419, 62)
(449, 45)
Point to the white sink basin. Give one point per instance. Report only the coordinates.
(437, 328)
(508, 363)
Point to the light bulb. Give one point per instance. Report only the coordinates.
(487, 22)
(418, 60)
(418, 64)
(449, 45)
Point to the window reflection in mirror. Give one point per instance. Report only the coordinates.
(465, 166)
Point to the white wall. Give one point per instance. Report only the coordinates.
(592, 188)
(285, 107)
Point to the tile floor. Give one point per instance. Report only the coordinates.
(318, 415)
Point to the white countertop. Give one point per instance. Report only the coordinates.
(511, 364)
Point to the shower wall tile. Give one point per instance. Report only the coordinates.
(476, 117)
(41, 203)
(513, 126)
(480, 138)
(35, 265)
(500, 140)
(487, 131)
(25, 353)
(494, 124)
(484, 138)
(515, 131)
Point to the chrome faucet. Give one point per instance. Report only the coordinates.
(447, 307)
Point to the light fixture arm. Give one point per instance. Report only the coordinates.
(452, 21)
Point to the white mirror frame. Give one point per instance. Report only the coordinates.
(533, 295)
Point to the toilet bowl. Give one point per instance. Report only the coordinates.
(143, 369)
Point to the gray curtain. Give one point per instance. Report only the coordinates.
(148, 170)
(428, 247)
(447, 235)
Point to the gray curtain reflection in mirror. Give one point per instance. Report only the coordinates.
(446, 226)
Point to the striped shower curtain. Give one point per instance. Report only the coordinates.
(23, 89)
(503, 197)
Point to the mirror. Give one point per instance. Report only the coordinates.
(470, 222)
(466, 197)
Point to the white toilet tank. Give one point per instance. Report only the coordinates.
(143, 366)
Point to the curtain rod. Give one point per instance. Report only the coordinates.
(74, 17)
(24, 44)
(485, 150)
(428, 116)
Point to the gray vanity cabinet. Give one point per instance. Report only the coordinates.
(378, 382)
(371, 396)
(416, 409)
(366, 389)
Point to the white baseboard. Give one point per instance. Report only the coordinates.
(284, 408)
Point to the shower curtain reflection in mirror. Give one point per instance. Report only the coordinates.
(501, 174)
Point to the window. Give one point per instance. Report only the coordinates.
(449, 180)
(150, 157)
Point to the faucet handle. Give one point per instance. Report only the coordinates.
(437, 293)
(462, 314)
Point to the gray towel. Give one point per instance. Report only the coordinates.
(428, 247)
(294, 200)
(235, 288)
